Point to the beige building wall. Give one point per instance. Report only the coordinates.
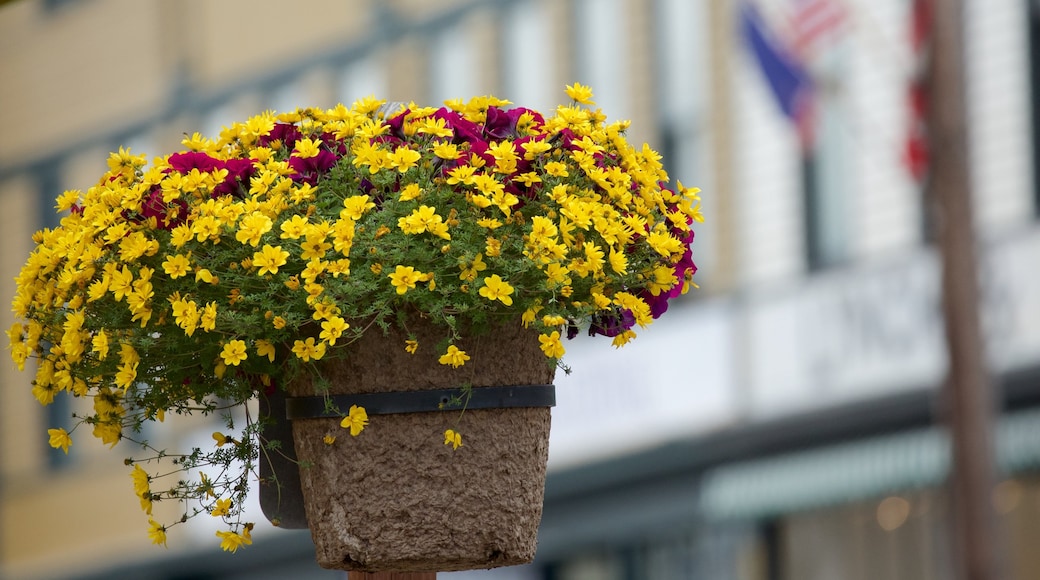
(81, 78)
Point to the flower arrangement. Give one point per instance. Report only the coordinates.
(190, 285)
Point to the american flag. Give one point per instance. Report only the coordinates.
(790, 83)
(815, 25)
(916, 154)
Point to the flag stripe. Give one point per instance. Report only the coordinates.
(814, 20)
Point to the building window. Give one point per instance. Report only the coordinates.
(602, 54)
(682, 105)
(1034, 81)
(827, 167)
(365, 77)
(453, 64)
(528, 66)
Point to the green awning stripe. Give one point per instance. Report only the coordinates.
(856, 471)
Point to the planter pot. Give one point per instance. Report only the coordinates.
(395, 498)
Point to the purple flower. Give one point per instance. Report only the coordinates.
(167, 215)
(396, 123)
(287, 133)
(185, 162)
(466, 131)
(239, 173)
(501, 124)
(612, 324)
(309, 168)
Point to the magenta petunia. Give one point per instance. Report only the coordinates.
(239, 172)
(308, 169)
(287, 133)
(185, 162)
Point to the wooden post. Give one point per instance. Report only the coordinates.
(391, 576)
(969, 396)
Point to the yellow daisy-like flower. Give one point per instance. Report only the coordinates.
(265, 348)
(269, 259)
(411, 346)
(453, 438)
(355, 206)
(231, 541)
(234, 352)
(307, 350)
(495, 288)
(222, 439)
(222, 508)
(454, 357)
(332, 329)
(356, 420)
(59, 439)
(551, 345)
(580, 94)
(176, 266)
(404, 278)
(156, 532)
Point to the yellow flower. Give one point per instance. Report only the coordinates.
(265, 348)
(469, 273)
(404, 159)
(453, 438)
(99, 344)
(623, 338)
(454, 357)
(156, 532)
(306, 148)
(329, 439)
(234, 352)
(410, 192)
(447, 150)
(208, 319)
(126, 375)
(411, 346)
(355, 206)
(59, 439)
(269, 259)
(142, 489)
(404, 278)
(294, 227)
(664, 243)
(424, 219)
(231, 541)
(332, 329)
(495, 288)
(222, 439)
(307, 350)
(176, 266)
(551, 345)
(252, 227)
(528, 316)
(222, 508)
(618, 262)
(580, 94)
(356, 420)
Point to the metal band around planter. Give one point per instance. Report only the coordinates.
(423, 401)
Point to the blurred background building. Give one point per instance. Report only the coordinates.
(784, 422)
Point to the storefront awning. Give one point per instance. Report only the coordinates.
(855, 471)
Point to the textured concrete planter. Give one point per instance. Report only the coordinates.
(395, 498)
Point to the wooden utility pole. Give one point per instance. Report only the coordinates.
(969, 395)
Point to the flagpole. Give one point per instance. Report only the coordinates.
(968, 393)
